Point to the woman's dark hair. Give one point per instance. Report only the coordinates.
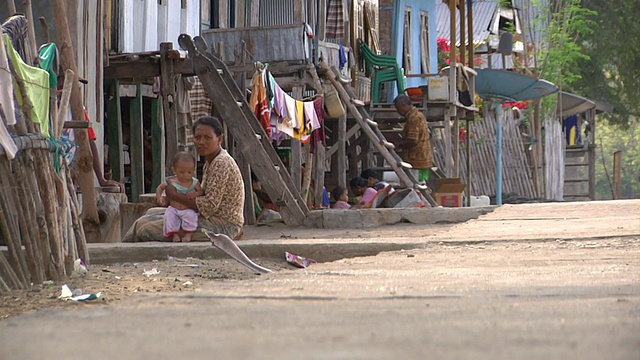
(210, 121)
(358, 181)
(337, 192)
(183, 156)
(370, 173)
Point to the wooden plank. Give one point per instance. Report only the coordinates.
(617, 175)
(255, 13)
(319, 170)
(170, 111)
(136, 150)
(342, 148)
(249, 205)
(448, 151)
(592, 172)
(296, 150)
(114, 130)
(157, 142)
(263, 159)
(145, 69)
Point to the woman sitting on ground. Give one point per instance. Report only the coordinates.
(220, 208)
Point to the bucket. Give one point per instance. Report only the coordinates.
(332, 103)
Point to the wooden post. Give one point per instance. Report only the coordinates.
(470, 27)
(308, 167)
(12, 7)
(319, 173)
(342, 151)
(114, 129)
(249, 205)
(84, 157)
(296, 151)
(447, 143)
(469, 182)
(157, 142)
(168, 105)
(31, 31)
(453, 37)
(463, 32)
(617, 175)
(136, 150)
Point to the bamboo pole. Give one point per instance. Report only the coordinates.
(12, 7)
(63, 108)
(31, 31)
(16, 256)
(84, 157)
(26, 207)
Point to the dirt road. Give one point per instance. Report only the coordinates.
(548, 281)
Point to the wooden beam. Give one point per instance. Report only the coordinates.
(170, 111)
(249, 205)
(136, 149)
(342, 149)
(145, 69)
(114, 129)
(296, 152)
(319, 171)
(617, 175)
(157, 142)
(342, 137)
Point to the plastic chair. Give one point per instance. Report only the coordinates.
(383, 68)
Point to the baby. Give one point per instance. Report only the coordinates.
(178, 216)
(341, 196)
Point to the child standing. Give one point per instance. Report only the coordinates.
(341, 196)
(178, 216)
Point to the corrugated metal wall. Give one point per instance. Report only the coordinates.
(144, 24)
(276, 12)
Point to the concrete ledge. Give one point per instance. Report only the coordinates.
(371, 218)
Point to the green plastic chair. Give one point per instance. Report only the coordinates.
(383, 68)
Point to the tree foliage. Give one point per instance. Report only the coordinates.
(610, 70)
(610, 138)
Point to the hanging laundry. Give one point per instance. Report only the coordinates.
(343, 57)
(48, 55)
(36, 84)
(270, 82)
(279, 104)
(572, 130)
(6, 87)
(319, 134)
(259, 102)
(335, 20)
(201, 104)
(17, 28)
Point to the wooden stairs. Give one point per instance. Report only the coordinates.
(371, 129)
(252, 140)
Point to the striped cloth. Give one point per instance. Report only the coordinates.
(16, 27)
(201, 105)
(335, 20)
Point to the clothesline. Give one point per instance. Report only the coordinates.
(279, 113)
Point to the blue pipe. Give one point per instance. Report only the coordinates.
(499, 117)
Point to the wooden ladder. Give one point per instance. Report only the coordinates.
(252, 140)
(370, 128)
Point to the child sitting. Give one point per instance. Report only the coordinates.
(178, 216)
(341, 196)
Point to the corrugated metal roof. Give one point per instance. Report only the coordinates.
(483, 13)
